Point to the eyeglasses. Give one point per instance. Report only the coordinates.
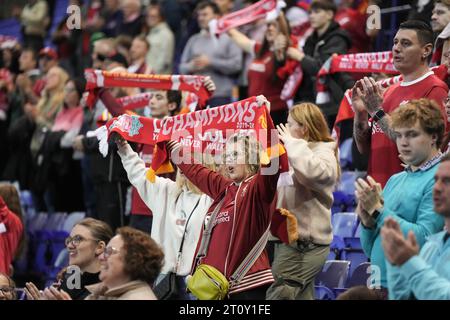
(110, 251)
(232, 156)
(6, 290)
(75, 240)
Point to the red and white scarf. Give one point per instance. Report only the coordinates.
(137, 101)
(104, 79)
(346, 111)
(379, 62)
(200, 131)
(264, 9)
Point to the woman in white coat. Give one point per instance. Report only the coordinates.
(179, 210)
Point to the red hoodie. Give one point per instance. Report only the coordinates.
(11, 229)
(242, 220)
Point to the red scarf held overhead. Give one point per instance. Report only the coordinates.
(103, 79)
(264, 9)
(203, 130)
(378, 62)
(137, 101)
(346, 111)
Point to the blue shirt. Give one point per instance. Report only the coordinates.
(426, 276)
(408, 198)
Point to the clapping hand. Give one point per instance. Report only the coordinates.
(370, 93)
(369, 194)
(397, 249)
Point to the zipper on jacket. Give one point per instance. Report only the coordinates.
(232, 229)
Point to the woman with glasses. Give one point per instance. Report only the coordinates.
(86, 243)
(243, 200)
(307, 193)
(178, 209)
(7, 288)
(129, 265)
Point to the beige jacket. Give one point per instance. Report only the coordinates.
(307, 190)
(134, 290)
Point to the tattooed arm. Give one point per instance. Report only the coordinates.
(385, 125)
(361, 129)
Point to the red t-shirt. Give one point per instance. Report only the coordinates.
(260, 80)
(384, 161)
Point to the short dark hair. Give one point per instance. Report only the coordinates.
(143, 257)
(423, 30)
(205, 4)
(156, 4)
(142, 38)
(174, 96)
(33, 52)
(323, 5)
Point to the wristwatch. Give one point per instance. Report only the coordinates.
(377, 116)
(375, 214)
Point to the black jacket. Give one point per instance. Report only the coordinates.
(317, 51)
(67, 284)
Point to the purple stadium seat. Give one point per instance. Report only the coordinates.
(343, 224)
(360, 275)
(334, 274)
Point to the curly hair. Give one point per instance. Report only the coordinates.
(426, 111)
(143, 258)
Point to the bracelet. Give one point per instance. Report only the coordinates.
(377, 116)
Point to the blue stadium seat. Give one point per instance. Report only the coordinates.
(359, 276)
(343, 224)
(334, 274)
(355, 256)
(72, 219)
(323, 293)
(345, 153)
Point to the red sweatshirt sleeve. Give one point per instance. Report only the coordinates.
(110, 103)
(266, 184)
(209, 182)
(9, 240)
(439, 94)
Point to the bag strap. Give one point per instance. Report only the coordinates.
(250, 259)
(184, 235)
(206, 237)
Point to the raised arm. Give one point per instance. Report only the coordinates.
(209, 182)
(151, 193)
(242, 41)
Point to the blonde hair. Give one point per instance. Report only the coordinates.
(311, 117)
(56, 97)
(206, 160)
(252, 150)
